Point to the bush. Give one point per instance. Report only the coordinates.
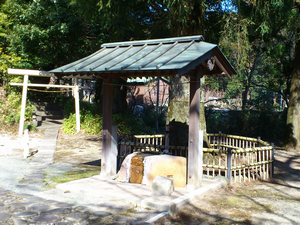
(91, 120)
(10, 110)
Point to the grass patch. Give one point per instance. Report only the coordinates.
(72, 175)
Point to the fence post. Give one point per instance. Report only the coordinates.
(258, 143)
(273, 159)
(220, 132)
(229, 165)
(167, 138)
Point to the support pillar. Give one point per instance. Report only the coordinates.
(195, 144)
(77, 106)
(23, 106)
(107, 129)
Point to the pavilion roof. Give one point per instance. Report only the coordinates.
(179, 55)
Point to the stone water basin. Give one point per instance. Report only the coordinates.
(143, 167)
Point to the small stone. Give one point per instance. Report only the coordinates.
(59, 211)
(16, 209)
(22, 195)
(25, 214)
(48, 202)
(8, 199)
(28, 187)
(4, 216)
(34, 199)
(163, 185)
(101, 213)
(123, 219)
(39, 207)
(3, 208)
(63, 205)
(17, 221)
(76, 217)
(47, 219)
(82, 209)
(64, 223)
(139, 223)
(4, 192)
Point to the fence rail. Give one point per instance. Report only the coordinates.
(238, 158)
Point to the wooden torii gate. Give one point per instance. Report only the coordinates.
(26, 73)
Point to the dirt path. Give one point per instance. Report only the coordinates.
(274, 202)
(80, 150)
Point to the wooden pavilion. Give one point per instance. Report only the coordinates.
(182, 56)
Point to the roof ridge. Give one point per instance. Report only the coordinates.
(156, 41)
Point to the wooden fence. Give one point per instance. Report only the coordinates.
(238, 158)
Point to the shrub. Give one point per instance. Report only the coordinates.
(10, 110)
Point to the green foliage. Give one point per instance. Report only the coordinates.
(70, 176)
(10, 109)
(91, 120)
(47, 33)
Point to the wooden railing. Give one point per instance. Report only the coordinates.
(235, 157)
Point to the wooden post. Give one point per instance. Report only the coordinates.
(106, 128)
(77, 107)
(194, 176)
(26, 144)
(23, 106)
(273, 160)
(167, 139)
(157, 103)
(113, 154)
(229, 166)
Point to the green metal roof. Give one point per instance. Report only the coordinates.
(181, 54)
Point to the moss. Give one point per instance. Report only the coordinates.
(72, 175)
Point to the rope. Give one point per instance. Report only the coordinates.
(48, 91)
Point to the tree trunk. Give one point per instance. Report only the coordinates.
(202, 121)
(292, 131)
(178, 111)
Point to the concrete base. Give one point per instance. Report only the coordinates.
(137, 194)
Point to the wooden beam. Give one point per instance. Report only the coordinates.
(23, 106)
(43, 85)
(30, 72)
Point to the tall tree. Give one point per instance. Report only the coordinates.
(292, 132)
(48, 33)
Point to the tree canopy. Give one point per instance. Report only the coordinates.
(260, 38)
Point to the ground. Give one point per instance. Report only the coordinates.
(81, 150)
(276, 201)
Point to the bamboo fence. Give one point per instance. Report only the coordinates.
(238, 158)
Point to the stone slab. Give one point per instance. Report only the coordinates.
(137, 194)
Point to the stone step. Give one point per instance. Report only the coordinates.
(50, 114)
(50, 124)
